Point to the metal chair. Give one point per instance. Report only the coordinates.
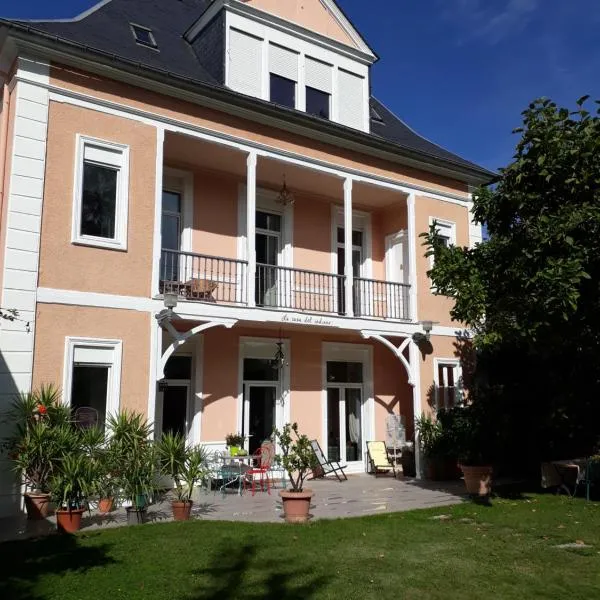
(263, 458)
(325, 467)
(86, 417)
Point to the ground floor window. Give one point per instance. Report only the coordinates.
(92, 379)
(447, 384)
(175, 411)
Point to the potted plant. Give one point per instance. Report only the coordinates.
(135, 462)
(186, 466)
(105, 478)
(70, 485)
(436, 439)
(39, 420)
(234, 442)
(473, 440)
(298, 459)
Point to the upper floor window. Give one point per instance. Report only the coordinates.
(283, 91)
(446, 231)
(143, 36)
(447, 384)
(101, 194)
(317, 103)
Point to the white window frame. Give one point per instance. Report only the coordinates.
(119, 242)
(113, 391)
(447, 362)
(447, 229)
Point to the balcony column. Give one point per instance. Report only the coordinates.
(157, 235)
(251, 227)
(412, 257)
(348, 271)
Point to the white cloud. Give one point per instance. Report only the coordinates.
(491, 21)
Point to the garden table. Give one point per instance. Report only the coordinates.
(234, 469)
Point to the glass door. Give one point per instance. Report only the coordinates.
(171, 236)
(175, 409)
(259, 413)
(357, 261)
(268, 253)
(345, 424)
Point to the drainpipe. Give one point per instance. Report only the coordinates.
(3, 137)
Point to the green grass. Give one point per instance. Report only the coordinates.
(506, 550)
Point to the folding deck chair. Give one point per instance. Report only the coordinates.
(326, 467)
(379, 460)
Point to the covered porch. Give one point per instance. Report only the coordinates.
(247, 229)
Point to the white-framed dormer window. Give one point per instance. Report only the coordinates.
(101, 194)
(92, 377)
(448, 383)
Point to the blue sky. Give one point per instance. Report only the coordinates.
(458, 71)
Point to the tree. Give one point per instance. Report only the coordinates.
(531, 291)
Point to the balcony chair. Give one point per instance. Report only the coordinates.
(379, 460)
(326, 467)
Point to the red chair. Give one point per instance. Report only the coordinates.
(259, 473)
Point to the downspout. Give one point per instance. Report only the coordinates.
(3, 138)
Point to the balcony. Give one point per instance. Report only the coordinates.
(213, 279)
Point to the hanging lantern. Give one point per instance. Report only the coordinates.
(285, 196)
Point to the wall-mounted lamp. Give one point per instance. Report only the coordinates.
(170, 301)
(419, 337)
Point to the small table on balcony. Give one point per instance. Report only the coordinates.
(200, 289)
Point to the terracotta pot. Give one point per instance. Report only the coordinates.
(37, 506)
(105, 505)
(69, 521)
(181, 510)
(296, 505)
(478, 480)
(135, 516)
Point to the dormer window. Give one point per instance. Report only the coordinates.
(283, 91)
(317, 103)
(143, 36)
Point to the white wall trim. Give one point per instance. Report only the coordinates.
(198, 392)
(412, 257)
(157, 240)
(202, 311)
(415, 357)
(455, 362)
(75, 98)
(113, 399)
(155, 356)
(119, 242)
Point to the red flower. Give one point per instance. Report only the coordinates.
(42, 409)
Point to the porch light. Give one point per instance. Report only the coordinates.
(170, 301)
(279, 357)
(285, 197)
(427, 327)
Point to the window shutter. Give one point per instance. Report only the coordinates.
(93, 355)
(283, 62)
(103, 155)
(351, 99)
(245, 63)
(318, 75)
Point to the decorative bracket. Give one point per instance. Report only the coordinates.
(397, 350)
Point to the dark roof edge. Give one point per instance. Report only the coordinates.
(419, 159)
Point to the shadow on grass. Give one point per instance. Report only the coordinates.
(239, 572)
(24, 563)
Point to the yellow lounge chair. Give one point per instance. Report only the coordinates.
(379, 461)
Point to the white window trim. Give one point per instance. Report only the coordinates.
(113, 398)
(458, 395)
(251, 347)
(451, 228)
(361, 221)
(122, 200)
(266, 201)
(345, 352)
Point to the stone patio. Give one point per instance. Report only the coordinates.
(360, 496)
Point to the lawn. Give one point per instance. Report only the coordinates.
(507, 550)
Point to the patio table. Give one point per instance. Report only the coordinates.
(235, 467)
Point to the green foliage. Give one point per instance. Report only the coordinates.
(234, 439)
(186, 465)
(297, 455)
(73, 480)
(530, 293)
(430, 433)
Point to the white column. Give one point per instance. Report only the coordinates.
(349, 274)
(415, 366)
(155, 356)
(157, 243)
(412, 256)
(251, 226)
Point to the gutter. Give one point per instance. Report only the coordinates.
(229, 98)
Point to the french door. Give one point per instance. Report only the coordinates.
(357, 262)
(268, 257)
(175, 416)
(345, 423)
(171, 236)
(260, 413)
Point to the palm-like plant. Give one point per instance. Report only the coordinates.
(72, 481)
(186, 465)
